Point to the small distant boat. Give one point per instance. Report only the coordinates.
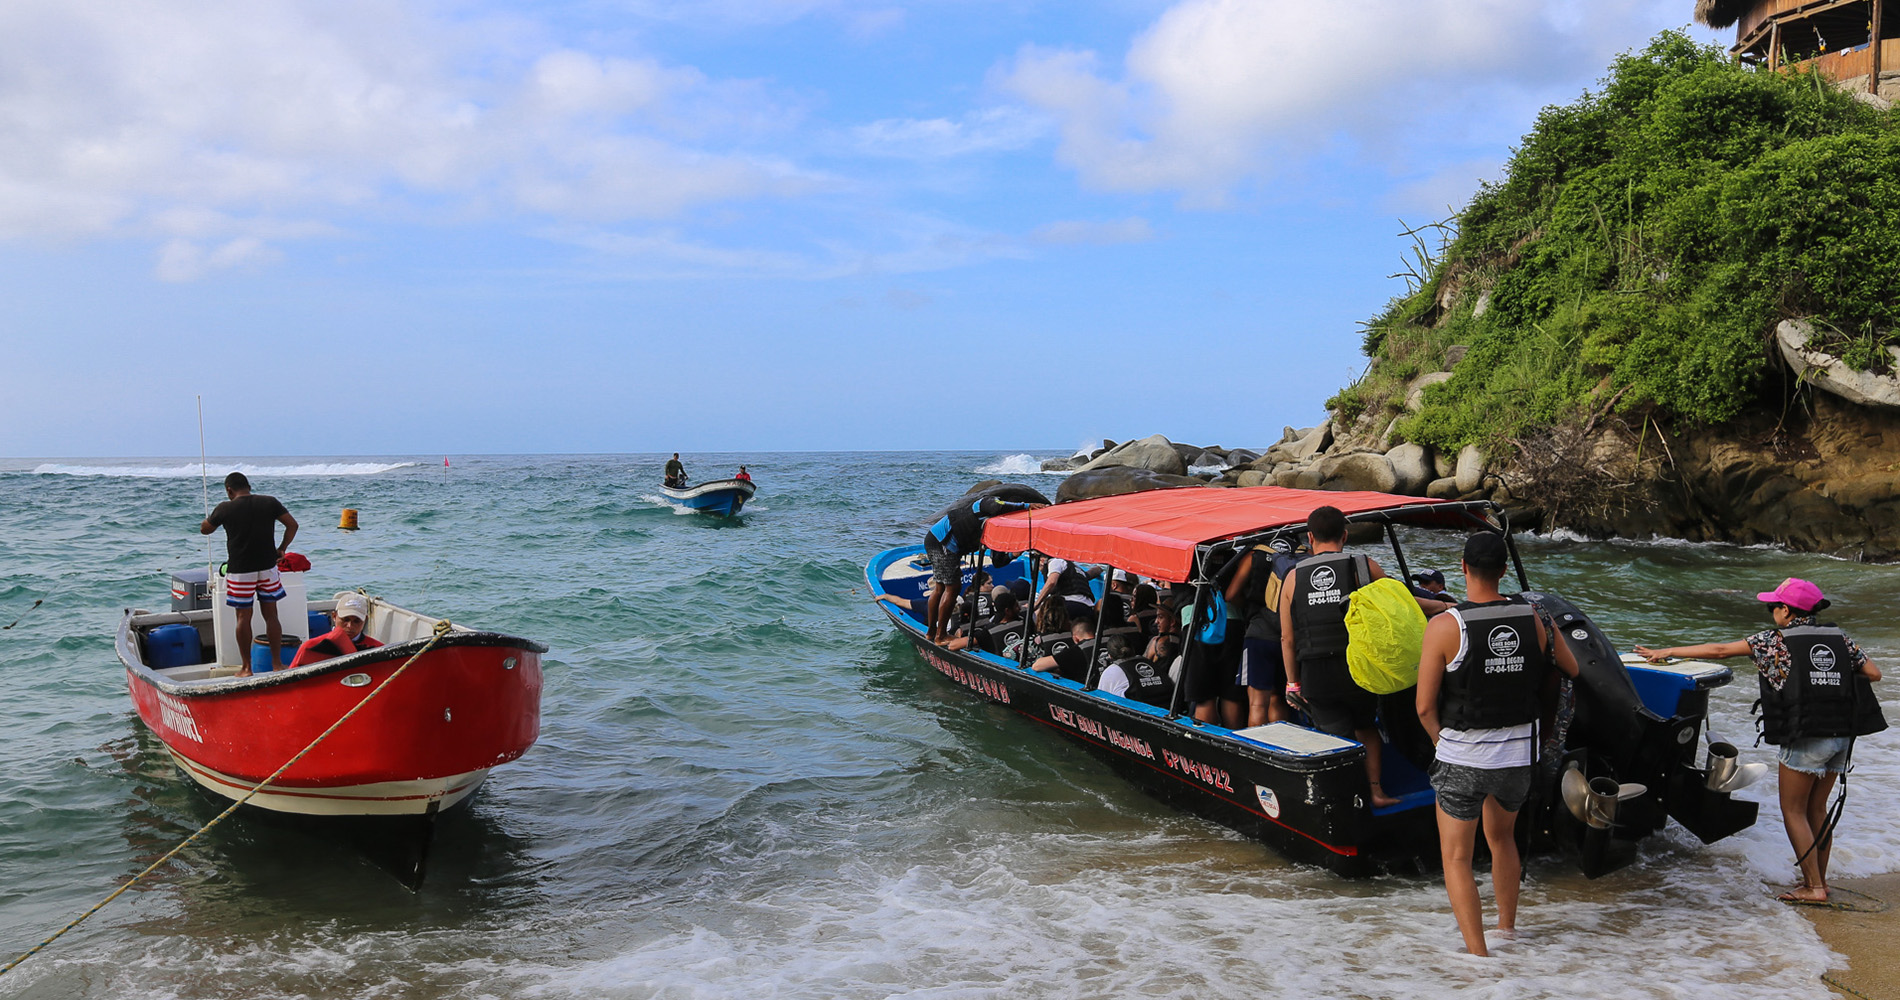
(719, 496)
(424, 745)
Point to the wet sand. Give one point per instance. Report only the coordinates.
(1865, 934)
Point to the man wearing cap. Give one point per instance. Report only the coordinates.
(352, 613)
(1484, 675)
(251, 551)
(1813, 704)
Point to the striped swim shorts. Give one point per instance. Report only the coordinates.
(264, 585)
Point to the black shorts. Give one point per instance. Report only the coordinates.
(1202, 679)
(1260, 666)
(945, 567)
(1344, 713)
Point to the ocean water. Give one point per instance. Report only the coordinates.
(747, 785)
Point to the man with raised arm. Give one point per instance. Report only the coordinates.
(1484, 675)
(250, 543)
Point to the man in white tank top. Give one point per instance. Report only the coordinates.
(1482, 673)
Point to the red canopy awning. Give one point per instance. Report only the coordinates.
(1154, 533)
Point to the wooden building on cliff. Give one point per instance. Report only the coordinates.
(1855, 43)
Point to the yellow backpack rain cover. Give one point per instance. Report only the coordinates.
(1386, 630)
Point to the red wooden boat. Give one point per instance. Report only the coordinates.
(423, 745)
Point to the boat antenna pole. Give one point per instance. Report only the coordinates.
(204, 486)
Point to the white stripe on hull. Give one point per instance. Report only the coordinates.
(383, 798)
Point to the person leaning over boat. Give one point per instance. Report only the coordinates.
(675, 473)
(1313, 638)
(351, 614)
(1484, 674)
(945, 542)
(1812, 708)
(250, 574)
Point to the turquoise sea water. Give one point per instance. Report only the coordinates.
(748, 785)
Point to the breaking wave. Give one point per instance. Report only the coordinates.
(1015, 465)
(193, 470)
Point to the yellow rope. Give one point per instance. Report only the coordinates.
(441, 629)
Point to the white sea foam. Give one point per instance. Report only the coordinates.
(1003, 922)
(1205, 470)
(1015, 465)
(193, 470)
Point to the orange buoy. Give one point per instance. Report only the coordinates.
(349, 519)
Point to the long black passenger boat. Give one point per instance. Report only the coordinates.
(1621, 759)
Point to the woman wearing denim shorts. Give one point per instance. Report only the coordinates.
(1808, 704)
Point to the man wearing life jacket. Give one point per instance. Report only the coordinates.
(1135, 677)
(1254, 593)
(1813, 704)
(742, 475)
(1313, 638)
(1484, 673)
(946, 541)
(352, 613)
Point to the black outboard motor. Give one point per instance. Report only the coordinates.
(1615, 741)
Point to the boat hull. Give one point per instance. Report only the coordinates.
(724, 497)
(424, 744)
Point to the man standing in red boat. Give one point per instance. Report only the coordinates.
(250, 541)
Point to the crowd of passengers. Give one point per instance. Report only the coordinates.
(1282, 651)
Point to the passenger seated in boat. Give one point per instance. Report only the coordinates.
(1070, 661)
(1134, 677)
(989, 611)
(352, 613)
(1144, 610)
(1003, 634)
(1052, 626)
(912, 606)
(974, 606)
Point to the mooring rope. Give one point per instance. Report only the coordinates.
(442, 629)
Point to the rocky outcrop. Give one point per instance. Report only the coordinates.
(1154, 453)
(1116, 480)
(1829, 373)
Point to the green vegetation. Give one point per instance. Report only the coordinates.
(1641, 248)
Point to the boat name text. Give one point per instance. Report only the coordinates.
(1102, 731)
(993, 689)
(176, 715)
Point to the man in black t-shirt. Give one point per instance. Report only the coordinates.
(250, 543)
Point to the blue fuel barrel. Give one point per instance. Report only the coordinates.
(319, 623)
(260, 653)
(172, 646)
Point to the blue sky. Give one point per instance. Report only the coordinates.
(648, 225)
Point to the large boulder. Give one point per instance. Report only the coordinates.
(1827, 372)
(1188, 452)
(1469, 472)
(1359, 471)
(1154, 453)
(1415, 392)
(1116, 480)
(1311, 442)
(1411, 467)
(1241, 456)
(1252, 477)
(1442, 489)
(1058, 464)
(1209, 459)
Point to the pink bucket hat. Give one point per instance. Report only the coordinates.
(1796, 593)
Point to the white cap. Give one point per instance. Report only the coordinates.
(350, 604)
(1121, 576)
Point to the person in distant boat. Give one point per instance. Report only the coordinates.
(742, 475)
(1812, 707)
(1484, 676)
(946, 541)
(250, 524)
(675, 473)
(351, 614)
(1313, 638)
(1135, 677)
(1430, 585)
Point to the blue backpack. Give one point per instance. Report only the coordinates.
(1214, 629)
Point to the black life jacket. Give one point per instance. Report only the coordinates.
(1263, 592)
(1005, 639)
(1501, 669)
(1147, 683)
(1320, 585)
(1817, 699)
(982, 610)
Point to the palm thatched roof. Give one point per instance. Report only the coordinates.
(1719, 14)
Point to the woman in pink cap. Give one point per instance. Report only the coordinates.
(1808, 710)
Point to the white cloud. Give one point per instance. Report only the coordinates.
(195, 119)
(183, 260)
(1076, 231)
(989, 130)
(1216, 91)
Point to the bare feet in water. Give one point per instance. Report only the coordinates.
(1804, 894)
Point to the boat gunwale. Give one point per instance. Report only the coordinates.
(135, 665)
